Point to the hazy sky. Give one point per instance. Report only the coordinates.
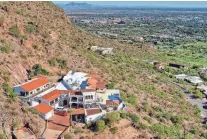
(201, 4)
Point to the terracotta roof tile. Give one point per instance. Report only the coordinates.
(78, 111)
(93, 76)
(112, 103)
(93, 111)
(43, 108)
(52, 95)
(34, 84)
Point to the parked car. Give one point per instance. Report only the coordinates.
(60, 109)
(205, 106)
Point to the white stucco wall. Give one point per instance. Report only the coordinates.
(47, 116)
(93, 118)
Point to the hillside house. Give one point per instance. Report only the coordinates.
(32, 87)
(94, 114)
(73, 81)
(95, 82)
(45, 111)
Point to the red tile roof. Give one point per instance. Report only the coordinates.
(100, 85)
(93, 111)
(35, 83)
(93, 76)
(43, 108)
(112, 103)
(96, 83)
(52, 95)
(78, 111)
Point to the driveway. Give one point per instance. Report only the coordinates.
(193, 101)
(199, 103)
(58, 122)
(52, 134)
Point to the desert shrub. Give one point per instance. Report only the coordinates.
(14, 31)
(78, 130)
(35, 46)
(30, 28)
(34, 111)
(194, 131)
(100, 125)
(20, 12)
(10, 92)
(2, 19)
(16, 124)
(3, 41)
(131, 99)
(177, 120)
(146, 107)
(142, 126)
(197, 111)
(68, 136)
(133, 117)
(4, 49)
(110, 85)
(112, 117)
(198, 94)
(52, 62)
(62, 63)
(204, 135)
(37, 69)
(114, 130)
(148, 119)
(3, 136)
(123, 115)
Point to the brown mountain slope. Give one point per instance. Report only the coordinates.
(36, 32)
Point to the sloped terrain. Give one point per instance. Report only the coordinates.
(39, 33)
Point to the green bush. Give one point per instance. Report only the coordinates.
(52, 62)
(4, 49)
(132, 99)
(30, 28)
(33, 111)
(114, 130)
(35, 46)
(113, 117)
(142, 126)
(177, 120)
(10, 92)
(100, 125)
(37, 69)
(148, 119)
(20, 12)
(123, 115)
(3, 136)
(110, 85)
(133, 117)
(14, 30)
(68, 136)
(62, 63)
(78, 130)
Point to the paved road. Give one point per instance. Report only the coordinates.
(193, 101)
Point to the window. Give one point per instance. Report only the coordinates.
(56, 99)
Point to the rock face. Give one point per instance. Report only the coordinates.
(102, 50)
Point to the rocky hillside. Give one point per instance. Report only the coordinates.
(40, 33)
